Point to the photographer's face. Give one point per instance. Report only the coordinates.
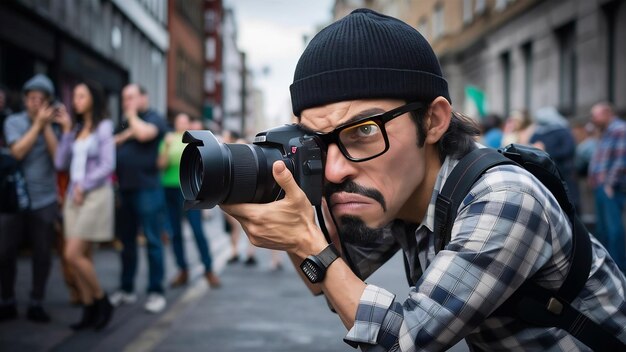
(374, 192)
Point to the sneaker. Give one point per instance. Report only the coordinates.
(122, 297)
(251, 261)
(213, 280)
(156, 303)
(37, 314)
(8, 312)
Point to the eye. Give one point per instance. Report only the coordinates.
(367, 129)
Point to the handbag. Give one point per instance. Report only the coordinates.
(13, 192)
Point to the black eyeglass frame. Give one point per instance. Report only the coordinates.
(380, 119)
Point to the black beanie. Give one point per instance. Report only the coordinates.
(366, 55)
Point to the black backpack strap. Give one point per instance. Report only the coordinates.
(531, 303)
(457, 186)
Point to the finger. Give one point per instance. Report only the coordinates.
(284, 178)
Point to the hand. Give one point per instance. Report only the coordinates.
(63, 118)
(123, 136)
(79, 196)
(608, 190)
(44, 116)
(287, 224)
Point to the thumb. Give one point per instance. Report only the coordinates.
(284, 178)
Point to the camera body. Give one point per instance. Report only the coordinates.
(221, 173)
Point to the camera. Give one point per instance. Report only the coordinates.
(214, 173)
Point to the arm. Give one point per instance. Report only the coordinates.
(22, 146)
(617, 166)
(141, 130)
(164, 149)
(106, 157)
(64, 152)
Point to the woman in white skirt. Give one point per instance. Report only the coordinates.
(87, 149)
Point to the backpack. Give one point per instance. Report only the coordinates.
(13, 192)
(531, 303)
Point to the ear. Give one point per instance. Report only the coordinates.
(437, 120)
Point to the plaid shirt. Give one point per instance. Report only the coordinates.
(508, 229)
(608, 164)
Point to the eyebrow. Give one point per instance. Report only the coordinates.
(361, 115)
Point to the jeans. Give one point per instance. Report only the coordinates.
(175, 210)
(38, 227)
(609, 226)
(145, 208)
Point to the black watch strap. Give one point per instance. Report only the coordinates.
(328, 255)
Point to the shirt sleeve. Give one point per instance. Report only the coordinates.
(64, 152)
(12, 130)
(106, 158)
(499, 239)
(618, 159)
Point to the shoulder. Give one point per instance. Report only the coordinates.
(18, 118)
(105, 126)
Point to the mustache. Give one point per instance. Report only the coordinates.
(352, 187)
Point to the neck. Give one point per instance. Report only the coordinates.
(87, 119)
(415, 208)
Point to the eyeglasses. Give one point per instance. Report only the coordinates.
(366, 138)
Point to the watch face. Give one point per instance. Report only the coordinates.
(313, 271)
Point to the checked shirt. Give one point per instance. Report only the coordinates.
(508, 228)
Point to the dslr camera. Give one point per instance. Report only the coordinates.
(214, 173)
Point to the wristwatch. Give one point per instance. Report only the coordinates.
(314, 266)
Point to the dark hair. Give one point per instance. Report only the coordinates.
(142, 89)
(457, 141)
(98, 105)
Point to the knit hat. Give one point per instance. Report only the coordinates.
(41, 83)
(366, 55)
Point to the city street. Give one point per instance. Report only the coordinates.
(256, 309)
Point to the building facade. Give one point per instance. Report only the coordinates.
(522, 53)
(185, 58)
(212, 107)
(113, 42)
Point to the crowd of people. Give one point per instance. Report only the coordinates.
(590, 153)
(90, 181)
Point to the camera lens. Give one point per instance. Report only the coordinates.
(214, 173)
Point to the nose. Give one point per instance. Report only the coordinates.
(338, 168)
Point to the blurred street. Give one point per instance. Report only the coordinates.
(256, 309)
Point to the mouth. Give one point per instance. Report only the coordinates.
(343, 202)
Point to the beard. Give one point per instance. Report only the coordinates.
(353, 230)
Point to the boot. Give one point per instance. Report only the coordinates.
(180, 280)
(88, 318)
(104, 312)
(213, 280)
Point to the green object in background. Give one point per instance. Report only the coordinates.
(475, 102)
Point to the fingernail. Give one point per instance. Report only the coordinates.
(280, 167)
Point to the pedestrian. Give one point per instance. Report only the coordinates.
(33, 142)
(518, 128)
(492, 130)
(169, 162)
(87, 150)
(607, 178)
(371, 88)
(552, 133)
(142, 202)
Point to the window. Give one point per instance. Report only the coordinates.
(210, 49)
(468, 11)
(500, 5)
(210, 21)
(527, 53)
(567, 68)
(481, 6)
(438, 24)
(505, 62)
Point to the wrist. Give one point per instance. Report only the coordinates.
(313, 245)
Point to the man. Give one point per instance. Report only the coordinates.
(31, 140)
(141, 196)
(607, 178)
(373, 86)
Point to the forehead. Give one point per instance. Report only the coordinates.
(327, 117)
(35, 94)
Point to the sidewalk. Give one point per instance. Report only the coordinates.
(128, 321)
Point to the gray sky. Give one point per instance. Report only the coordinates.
(271, 33)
